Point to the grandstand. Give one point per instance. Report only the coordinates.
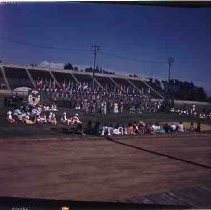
(17, 77)
(13, 76)
(2, 82)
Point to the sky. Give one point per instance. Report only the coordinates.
(132, 38)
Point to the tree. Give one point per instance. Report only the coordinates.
(181, 90)
(75, 68)
(89, 69)
(157, 84)
(68, 66)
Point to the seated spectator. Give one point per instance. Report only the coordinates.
(198, 128)
(132, 110)
(149, 129)
(191, 128)
(116, 130)
(97, 128)
(121, 129)
(28, 121)
(21, 116)
(180, 127)
(75, 119)
(52, 119)
(141, 127)
(124, 129)
(159, 128)
(155, 127)
(42, 118)
(9, 117)
(107, 130)
(54, 108)
(79, 129)
(173, 127)
(110, 129)
(88, 128)
(166, 128)
(78, 107)
(64, 117)
(17, 112)
(104, 129)
(135, 128)
(130, 129)
(46, 108)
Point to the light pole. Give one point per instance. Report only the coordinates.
(96, 48)
(170, 61)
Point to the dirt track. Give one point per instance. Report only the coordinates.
(101, 170)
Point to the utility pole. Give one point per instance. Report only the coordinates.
(95, 49)
(170, 61)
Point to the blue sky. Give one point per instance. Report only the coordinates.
(138, 33)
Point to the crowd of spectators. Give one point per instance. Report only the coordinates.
(30, 114)
(191, 111)
(92, 98)
(85, 97)
(140, 128)
(45, 114)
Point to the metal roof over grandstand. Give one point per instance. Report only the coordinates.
(38, 68)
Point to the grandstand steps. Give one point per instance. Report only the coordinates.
(54, 78)
(151, 88)
(131, 83)
(116, 84)
(30, 77)
(39, 75)
(74, 77)
(2, 82)
(17, 78)
(81, 78)
(5, 78)
(98, 83)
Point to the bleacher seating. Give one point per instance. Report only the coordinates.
(17, 77)
(63, 77)
(125, 85)
(156, 88)
(146, 88)
(38, 75)
(105, 82)
(139, 84)
(2, 83)
(83, 78)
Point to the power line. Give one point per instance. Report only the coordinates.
(95, 48)
(134, 60)
(42, 46)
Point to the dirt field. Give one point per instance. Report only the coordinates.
(101, 169)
